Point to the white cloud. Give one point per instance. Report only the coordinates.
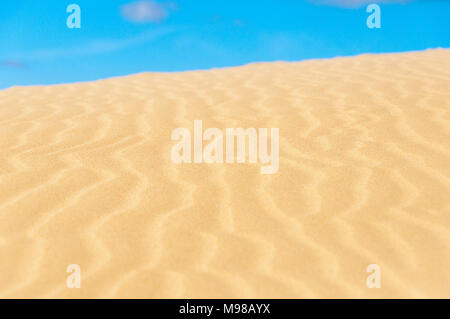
(145, 11)
(355, 3)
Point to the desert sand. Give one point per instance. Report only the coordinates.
(86, 178)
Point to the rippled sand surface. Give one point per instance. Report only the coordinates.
(86, 178)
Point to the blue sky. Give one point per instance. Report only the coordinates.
(121, 37)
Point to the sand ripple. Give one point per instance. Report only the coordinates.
(86, 178)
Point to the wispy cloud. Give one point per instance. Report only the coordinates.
(146, 11)
(12, 64)
(238, 23)
(95, 47)
(354, 3)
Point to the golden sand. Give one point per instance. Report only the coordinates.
(86, 178)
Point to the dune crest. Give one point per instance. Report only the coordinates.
(86, 178)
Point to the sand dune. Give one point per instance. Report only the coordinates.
(86, 178)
